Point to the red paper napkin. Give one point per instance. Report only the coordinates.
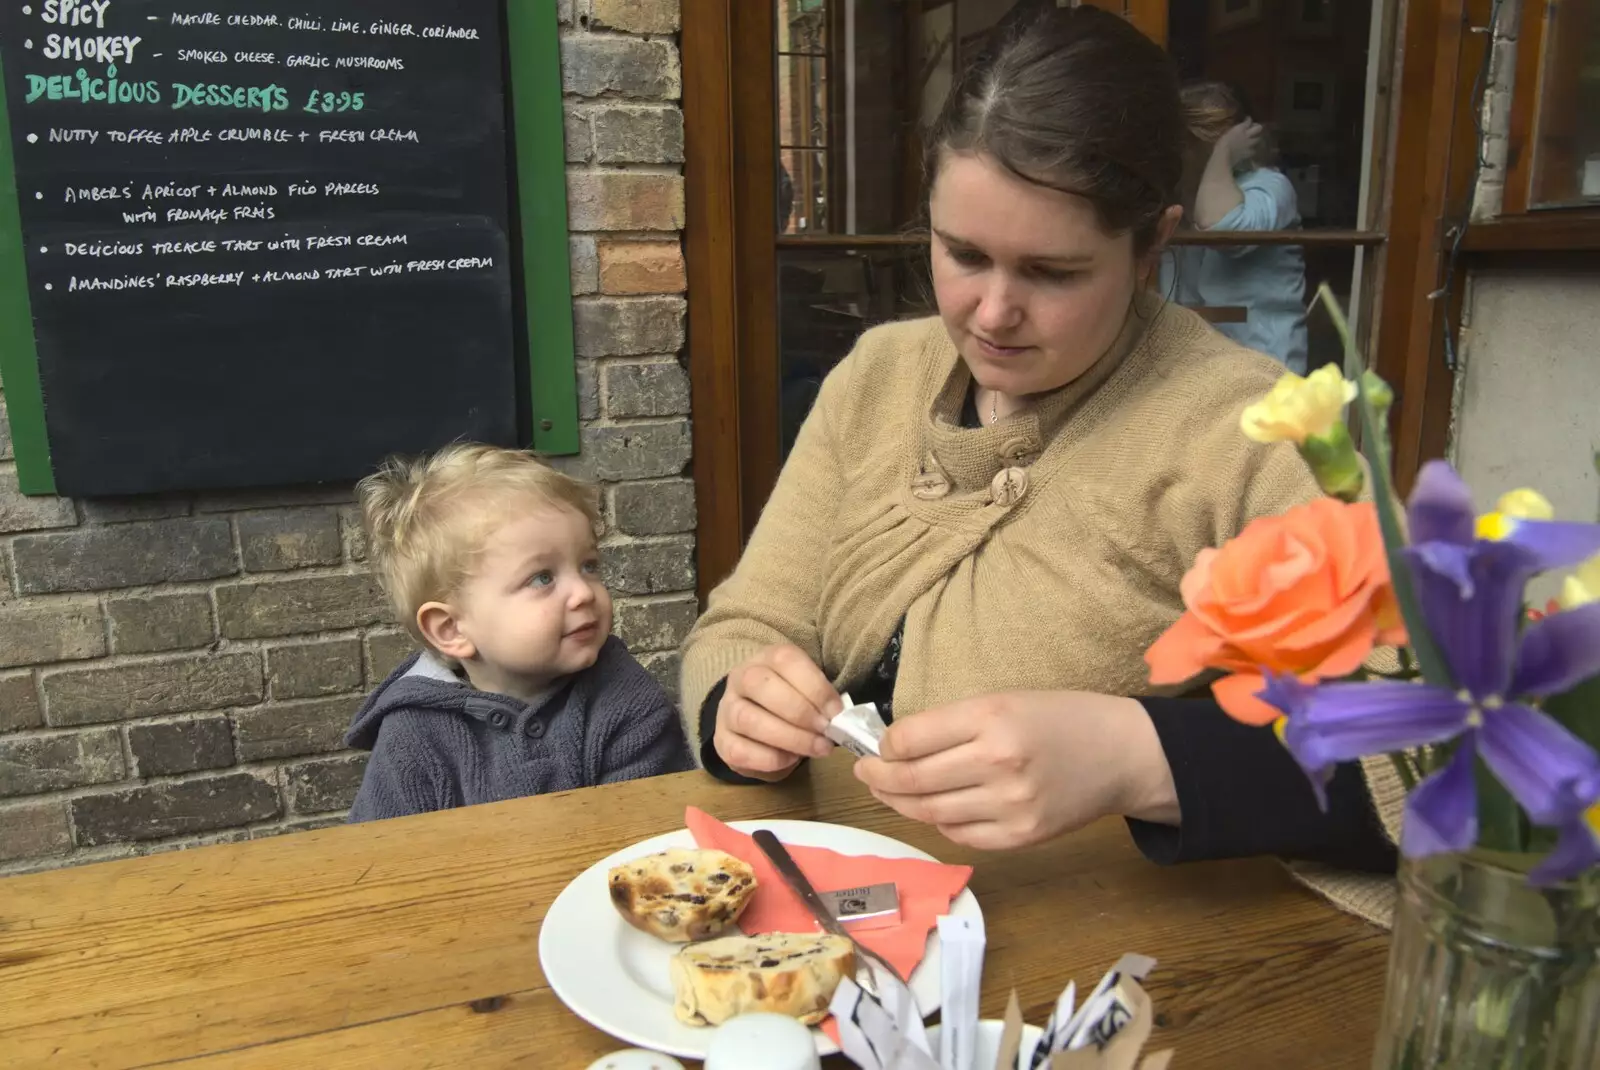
(926, 890)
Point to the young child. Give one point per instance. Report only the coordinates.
(489, 558)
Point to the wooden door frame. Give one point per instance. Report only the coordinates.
(1433, 147)
(730, 199)
(732, 262)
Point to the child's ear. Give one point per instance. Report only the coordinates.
(441, 627)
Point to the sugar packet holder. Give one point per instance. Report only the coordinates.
(857, 728)
(1111, 1046)
(1108, 1032)
(1096, 1020)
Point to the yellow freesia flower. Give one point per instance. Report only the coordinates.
(1299, 408)
(1309, 413)
(1526, 504)
(1520, 504)
(1583, 586)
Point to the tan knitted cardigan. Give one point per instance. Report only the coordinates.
(1042, 552)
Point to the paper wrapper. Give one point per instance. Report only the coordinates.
(1109, 1031)
(1121, 1052)
(857, 728)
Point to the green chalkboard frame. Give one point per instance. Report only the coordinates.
(19, 360)
(537, 132)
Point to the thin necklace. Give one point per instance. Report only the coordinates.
(994, 407)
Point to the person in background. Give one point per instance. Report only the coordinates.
(490, 561)
(785, 198)
(987, 516)
(1230, 185)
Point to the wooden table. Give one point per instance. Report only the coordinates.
(414, 942)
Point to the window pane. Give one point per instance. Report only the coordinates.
(862, 79)
(802, 100)
(1566, 162)
(1301, 69)
(882, 72)
(802, 191)
(828, 296)
(802, 25)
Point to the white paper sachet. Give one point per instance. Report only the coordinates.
(855, 1019)
(1103, 1021)
(901, 1003)
(873, 1037)
(857, 729)
(863, 1025)
(1117, 1037)
(1054, 1038)
(961, 947)
(1092, 1018)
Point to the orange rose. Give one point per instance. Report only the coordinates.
(1304, 593)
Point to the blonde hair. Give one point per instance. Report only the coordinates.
(1211, 109)
(427, 517)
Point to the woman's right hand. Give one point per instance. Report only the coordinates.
(773, 713)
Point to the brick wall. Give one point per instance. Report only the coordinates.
(179, 670)
(1495, 118)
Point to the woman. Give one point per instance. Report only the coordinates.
(986, 515)
(1231, 187)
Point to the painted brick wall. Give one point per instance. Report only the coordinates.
(1495, 119)
(179, 670)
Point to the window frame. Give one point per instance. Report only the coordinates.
(1520, 226)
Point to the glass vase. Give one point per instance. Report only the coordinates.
(1486, 971)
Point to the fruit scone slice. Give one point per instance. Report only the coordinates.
(782, 973)
(683, 894)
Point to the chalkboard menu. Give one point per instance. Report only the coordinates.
(263, 243)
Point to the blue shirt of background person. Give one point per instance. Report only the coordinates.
(1232, 190)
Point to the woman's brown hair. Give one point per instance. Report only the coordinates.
(1076, 99)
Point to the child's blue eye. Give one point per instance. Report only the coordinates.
(541, 579)
(591, 568)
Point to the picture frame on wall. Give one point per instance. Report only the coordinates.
(1231, 14)
(1311, 18)
(1307, 101)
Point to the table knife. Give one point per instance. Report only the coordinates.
(785, 864)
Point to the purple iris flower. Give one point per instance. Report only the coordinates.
(1470, 591)
(1579, 845)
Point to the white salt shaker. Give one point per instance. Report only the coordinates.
(635, 1059)
(762, 1042)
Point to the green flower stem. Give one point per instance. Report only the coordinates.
(1332, 460)
(1372, 400)
(1578, 710)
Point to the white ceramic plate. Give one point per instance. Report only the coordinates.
(615, 977)
(987, 1049)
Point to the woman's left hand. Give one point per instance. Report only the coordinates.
(1017, 768)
